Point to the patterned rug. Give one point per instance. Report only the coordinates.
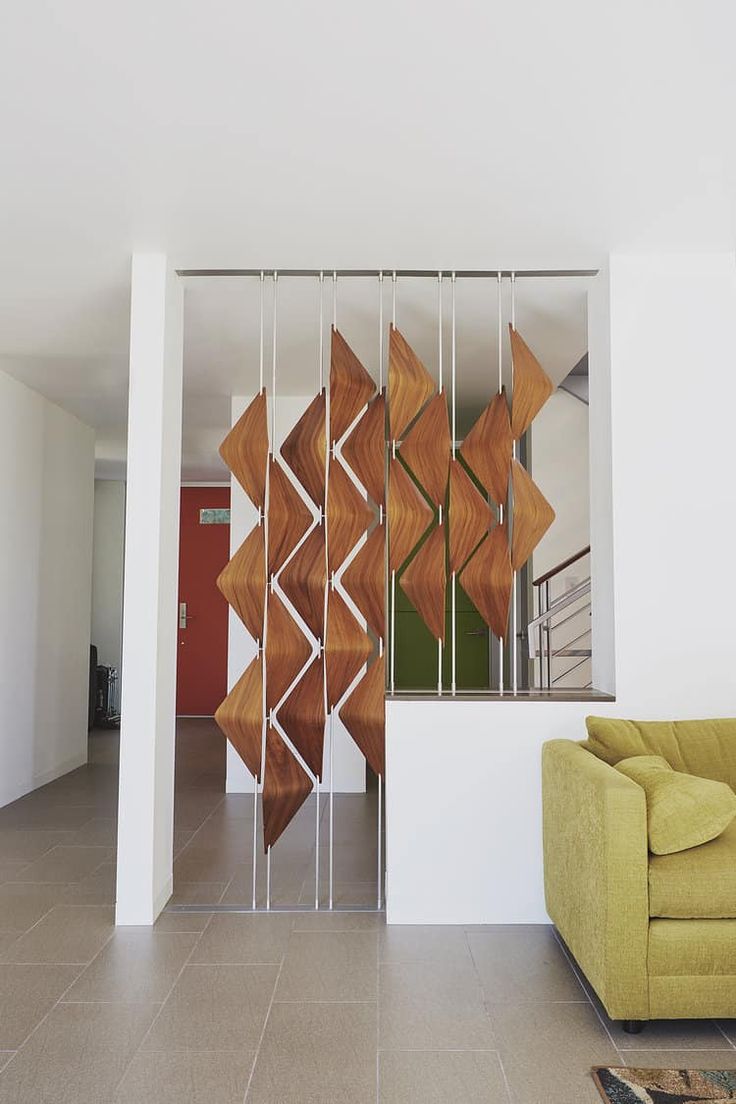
(662, 1086)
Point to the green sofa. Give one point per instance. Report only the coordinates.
(655, 935)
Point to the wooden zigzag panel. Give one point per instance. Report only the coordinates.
(364, 715)
(304, 578)
(425, 580)
(469, 517)
(302, 716)
(287, 650)
(242, 582)
(240, 716)
(487, 448)
(365, 449)
(305, 448)
(348, 515)
(409, 384)
(532, 385)
(533, 515)
(426, 448)
(289, 516)
(245, 450)
(350, 386)
(409, 514)
(286, 786)
(488, 578)
(365, 580)
(347, 648)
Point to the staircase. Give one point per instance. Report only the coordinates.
(559, 636)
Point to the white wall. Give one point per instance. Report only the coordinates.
(108, 548)
(46, 493)
(349, 764)
(663, 515)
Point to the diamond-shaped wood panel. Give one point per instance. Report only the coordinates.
(303, 580)
(245, 450)
(365, 449)
(304, 450)
(348, 515)
(302, 716)
(533, 515)
(286, 786)
(532, 385)
(350, 386)
(289, 516)
(469, 517)
(287, 650)
(364, 715)
(409, 514)
(240, 716)
(242, 582)
(487, 448)
(424, 582)
(347, 648)
(365, 580)
(487, 579)
(409, 384)
(426, 448)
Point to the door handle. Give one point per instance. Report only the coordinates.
(475, 632)
(182, 615)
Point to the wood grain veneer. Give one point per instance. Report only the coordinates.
(409, 514)
(305, 448)
(242, 582)
(487, 579)
(365, 580)
(245, 450)
(287, 650)
(347, 647)
(409, 384)
(364, 715)
(304, 578)
(533, 515)
(240, 716)
(286, 786)
(350, 386)
(289, 516)
(424, 582)
(348, 515)
(487, 448)
(365, 449)
(532, 385)
(469, 517)
(302, 716)
(426, 448)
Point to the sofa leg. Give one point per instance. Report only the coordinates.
(633, 1027)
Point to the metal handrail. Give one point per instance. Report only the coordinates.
(560, 603)
(542, 625)
(561, 566)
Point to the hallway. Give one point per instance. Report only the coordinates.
(222, 1008)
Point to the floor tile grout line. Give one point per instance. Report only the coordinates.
(723, 1033)
(265, 1025)
(163, 1003)
(578, 975)
(378, 1018)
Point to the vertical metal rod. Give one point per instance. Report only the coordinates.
(549, 640)
(334, 298)
(393, 298)
(316, 848)
(255, 834)
(273, 368)
(380, 331)
(541, 640)
(515, 577)
(454, 633)
(332, 796)
(393, 630)
(439, 668)
(439, 328)
(454, 371)
(380, 871)
(500, 505)
(321, 332)
(268, 878)
(260, 372)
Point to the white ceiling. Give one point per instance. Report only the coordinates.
(526, 135)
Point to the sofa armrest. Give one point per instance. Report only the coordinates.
(596, 873)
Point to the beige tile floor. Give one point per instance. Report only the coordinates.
(310, 1008)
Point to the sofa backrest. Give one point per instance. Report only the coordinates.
(706, 748)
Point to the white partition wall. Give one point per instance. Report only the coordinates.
(663, 518)
(145, 819)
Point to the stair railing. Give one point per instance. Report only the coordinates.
(543, 631)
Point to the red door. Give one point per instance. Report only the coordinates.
(204, 549)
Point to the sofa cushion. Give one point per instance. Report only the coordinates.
(696, 884)
(705, 748)
(682, 810)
